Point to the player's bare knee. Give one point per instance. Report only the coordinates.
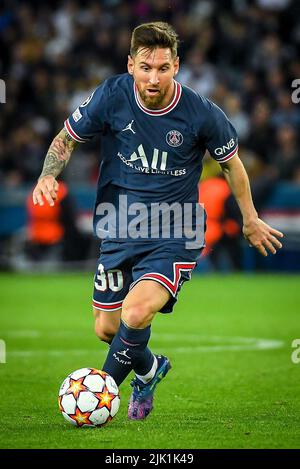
(137, 315)
(105, 334)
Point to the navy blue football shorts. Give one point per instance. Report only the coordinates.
(122, 265)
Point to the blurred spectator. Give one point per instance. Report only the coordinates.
(52, 234)
(286, 113)
(223, 229)
(243, 55)
(197, 74)
(286, 155)
(261, 132)
(239, 119)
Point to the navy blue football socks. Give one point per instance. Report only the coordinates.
(128, 351)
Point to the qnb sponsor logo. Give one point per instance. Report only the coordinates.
(2, 92)
(2, 351)
(158, 220)
(296, 93)
(221, 150)
(295, 357)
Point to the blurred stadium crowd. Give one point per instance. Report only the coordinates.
(243, 54)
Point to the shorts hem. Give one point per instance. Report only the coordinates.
(107, 306)
(151, 277)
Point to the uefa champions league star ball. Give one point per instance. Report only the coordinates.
(89, 398)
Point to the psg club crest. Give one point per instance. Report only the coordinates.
(174, 138)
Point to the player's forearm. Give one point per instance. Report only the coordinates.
(238, 181)
(58, 155)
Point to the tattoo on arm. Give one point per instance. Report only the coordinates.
(58, 154)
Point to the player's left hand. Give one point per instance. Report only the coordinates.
(262, 236)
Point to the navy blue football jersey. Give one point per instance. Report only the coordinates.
(149, 156)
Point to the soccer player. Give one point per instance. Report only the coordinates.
(154, 133)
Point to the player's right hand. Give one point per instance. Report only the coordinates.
(47, 188)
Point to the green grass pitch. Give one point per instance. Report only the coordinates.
(233, 383)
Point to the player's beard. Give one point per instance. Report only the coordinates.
(153, 102)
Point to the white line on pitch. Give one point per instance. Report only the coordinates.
(260, 344)
(166, 337)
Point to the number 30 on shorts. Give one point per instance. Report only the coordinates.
(111, 279)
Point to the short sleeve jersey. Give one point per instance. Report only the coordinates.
(150, 156)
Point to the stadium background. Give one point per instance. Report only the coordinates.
(242, 54)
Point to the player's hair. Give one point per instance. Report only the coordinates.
(153, 35)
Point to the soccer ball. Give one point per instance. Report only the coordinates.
(89, 398)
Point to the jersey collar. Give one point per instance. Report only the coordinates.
(165, 110)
